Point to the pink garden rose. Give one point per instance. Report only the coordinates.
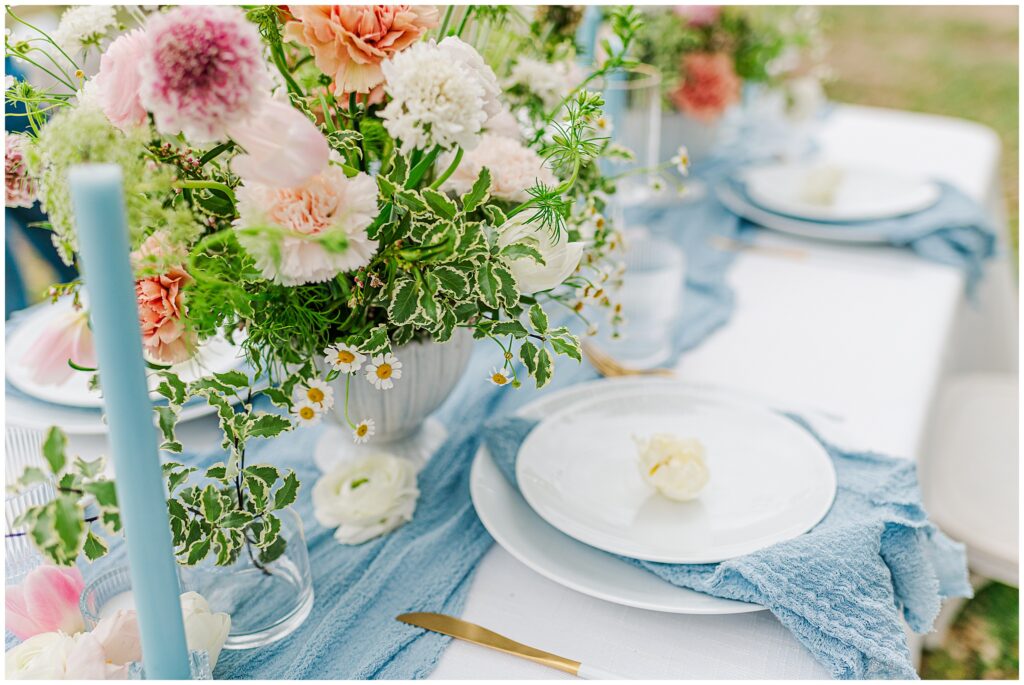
(46, 601)
(349, 42)
(202, 70)
(699, 15)
(161, 308)
(117, 83)
(66, 337)
(21, 191)
(283, 148)
(710, 85)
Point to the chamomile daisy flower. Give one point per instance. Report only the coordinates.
(316, 392)
(344, 358)
(363, 431)
(307, 413)
(682, 160)
(498, 377)
(383, 371)
(603, 124)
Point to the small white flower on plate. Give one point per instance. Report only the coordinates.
(316, 392)
(363, 431)
(498, 377)
(366, 497)
(674, 466)
(682, 160)
(344, 358)
(306, 413)
(383, 370)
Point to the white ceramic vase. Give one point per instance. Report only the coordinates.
(430, 372)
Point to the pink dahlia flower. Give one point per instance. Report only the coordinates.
(46, 601)
(328, 205)
(710, 85)
(161, 308)
(67, 337)
(202, 71)
(699, 15)
(117, 83)
(21, 190)
(349, 42)
(283, 148)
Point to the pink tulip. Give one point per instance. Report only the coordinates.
(65, 337)
(283, 148)
(46, 601)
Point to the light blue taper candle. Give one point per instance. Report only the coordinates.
(96, 193)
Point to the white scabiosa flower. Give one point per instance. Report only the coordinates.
(344, 358)
(366, 497)
(306, 413)
(514, 168)
(560, 256)
(363, 431)
(441, 94)
(383, 371)
(316, 392)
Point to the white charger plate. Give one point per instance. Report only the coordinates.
(771, 480)
(216, 355)
(568, 562)
(861, 193)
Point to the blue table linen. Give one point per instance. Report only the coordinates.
(841, 587)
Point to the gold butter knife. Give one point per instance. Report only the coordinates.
(470, 632)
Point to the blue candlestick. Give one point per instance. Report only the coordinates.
(104, 249)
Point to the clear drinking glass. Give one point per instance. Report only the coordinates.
(652, 300)
(633, 105)
(23, 448)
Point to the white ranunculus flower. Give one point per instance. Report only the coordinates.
(560, 256)
(366, 497)
(203, 628)
(441, 94)
(41, 657)
(674, 466)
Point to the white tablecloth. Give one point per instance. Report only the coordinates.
(863, 332)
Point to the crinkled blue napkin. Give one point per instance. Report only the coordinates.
(956, 230)
(841, 587)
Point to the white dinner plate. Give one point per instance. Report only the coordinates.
(740, 206)
(770, 481)
(568, 562)
(819, 191)
(216, 355)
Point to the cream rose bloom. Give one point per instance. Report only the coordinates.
(41, 657)
(366, 497)
(204, 630)
(560, 256)
(674, 466)
(514, 168)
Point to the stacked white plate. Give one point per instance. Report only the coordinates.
(582, 504)
(73, 405)
(825, 200)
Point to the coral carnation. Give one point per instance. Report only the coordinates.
(329, 206)
(161, 309)
(349, 42)
(202, 71)
(710, 85)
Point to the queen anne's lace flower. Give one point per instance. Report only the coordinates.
(203, 71)
(441, 94)
(83, 26)
(330, 205)
(514, 168)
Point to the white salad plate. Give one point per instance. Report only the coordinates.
(216, 355)
(771, 480)
(819, 191)
(569, 562)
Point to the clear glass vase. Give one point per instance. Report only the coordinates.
(266, 601)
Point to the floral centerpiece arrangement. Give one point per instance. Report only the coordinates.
(321, 186)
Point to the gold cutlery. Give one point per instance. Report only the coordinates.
(470, 632)
(721, 242)
(610, 368)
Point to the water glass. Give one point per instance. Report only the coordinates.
(652, 301)
(23, 448)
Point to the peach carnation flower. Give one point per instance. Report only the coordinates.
(161, 308)
(514, 168)
(710, 85)
(349, 42)
(330, 205)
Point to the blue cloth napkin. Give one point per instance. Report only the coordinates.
(956, 230)
(841, 587)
